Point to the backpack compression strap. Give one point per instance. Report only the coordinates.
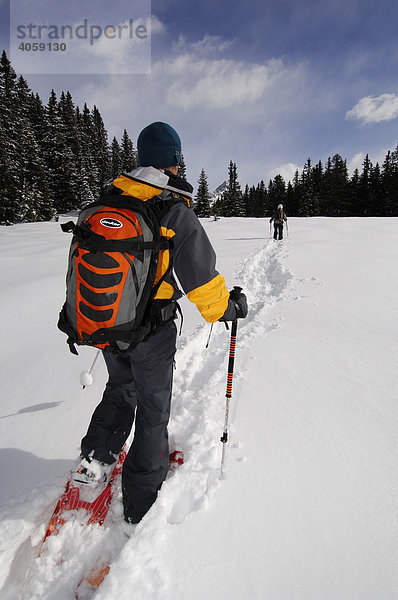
(97, 243)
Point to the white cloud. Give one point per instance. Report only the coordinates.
(223, 108)
(371, 109)
(157, 26)
(123, 52)
(209, 44)
(356, 162)
(217, 84)
(287, 171)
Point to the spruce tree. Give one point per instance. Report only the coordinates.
(364, 188)
(354, 193)
(295, 196)
(67, 112)
(182, 170)
(307, 191)
(100, 147)
(232, 199)
(202, 198)
(317, 188)
(116, 159)
(393, 202)
(289, 199)
(37, 118)
(60, 160)
(327, 189)
(259, 201)
(34, 200)
(9, 158)
(246, 201)
(276, 192)
(127, 154)
(377, 195)
(89, 176)
(336, 189)
(390, 183)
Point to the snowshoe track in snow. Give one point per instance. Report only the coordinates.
(195, 426)
(197, 421)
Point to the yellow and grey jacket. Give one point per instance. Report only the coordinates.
(194, 259)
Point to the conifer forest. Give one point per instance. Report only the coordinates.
(55, 157)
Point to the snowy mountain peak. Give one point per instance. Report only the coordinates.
(216, 194)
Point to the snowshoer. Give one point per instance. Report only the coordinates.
(139, 387)
(279, 217)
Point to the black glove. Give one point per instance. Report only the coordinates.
(237, 306)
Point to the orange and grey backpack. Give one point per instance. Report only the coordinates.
(110, 281)
(279, 216)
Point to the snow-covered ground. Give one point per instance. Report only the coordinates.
(307, 508)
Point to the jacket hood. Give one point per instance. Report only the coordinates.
(146, 182)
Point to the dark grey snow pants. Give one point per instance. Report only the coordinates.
(278, 231)
(139, 387)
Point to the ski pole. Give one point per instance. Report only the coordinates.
(224, 438)
(287, 229)
(85, 376)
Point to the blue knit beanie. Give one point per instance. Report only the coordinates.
(159, 145)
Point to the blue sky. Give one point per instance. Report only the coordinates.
(264, 83)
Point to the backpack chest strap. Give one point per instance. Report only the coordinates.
(93, 242)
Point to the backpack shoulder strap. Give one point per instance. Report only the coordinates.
(161, 206)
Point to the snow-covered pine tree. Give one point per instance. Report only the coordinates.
(393, 202)
(202, 199)
(116, 159)
(128, 155)
(249, 197)
(68, 115)
(289, 199)
(89, 176)
(377, 194)
(294, 204)
(246, 201)
(340, 199)
(60, 161)
(260, 200)
(317, 182)
(307, 192)
(9, 159)
(276, 192)
(100, 147)
(34, 200)
(232, 204)
(364, 188)
(37, 117)
(390, 183)
(182, 170)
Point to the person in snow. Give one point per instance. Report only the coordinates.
(140, 381)
(279, 218)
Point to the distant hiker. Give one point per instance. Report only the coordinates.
(279, 217)
(140, 378)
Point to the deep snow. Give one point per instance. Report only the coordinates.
(307, 508)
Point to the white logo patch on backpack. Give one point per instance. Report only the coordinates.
(112, 223)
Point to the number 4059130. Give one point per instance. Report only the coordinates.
(42, 47)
